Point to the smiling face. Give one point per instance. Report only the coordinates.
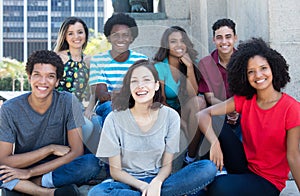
(43, 80)
(143, 85)
(75, 35)
(120, 38)
(177, 47)
(224, 40)
(259, 73)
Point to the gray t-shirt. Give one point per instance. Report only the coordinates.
(141, 153)
(29, 130)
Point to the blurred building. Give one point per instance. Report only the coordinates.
(29, 25)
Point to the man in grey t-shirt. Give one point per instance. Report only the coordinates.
(40, 135)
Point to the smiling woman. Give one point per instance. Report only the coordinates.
(270, 125)
(140, 137)
(71, 41)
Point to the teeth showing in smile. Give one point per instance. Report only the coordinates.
(42, 88)
(224, 46)
(260, 81)
(120, 45)
(141, 93)
(179, 50)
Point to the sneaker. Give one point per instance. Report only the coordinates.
(69, 190)
(185, 163)
(108, 180)
(223, 172)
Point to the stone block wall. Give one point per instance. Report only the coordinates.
(275, 21)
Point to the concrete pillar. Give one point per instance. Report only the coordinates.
(285, 37)
(199, 27)
(177, 9)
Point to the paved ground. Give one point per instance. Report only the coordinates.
(290, 189)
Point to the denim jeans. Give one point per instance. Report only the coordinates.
(103, 109)
(9, 185)
(190, 180)
(79, 171)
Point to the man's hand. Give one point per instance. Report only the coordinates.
(59, 150)
(232, 118)
(9, 173)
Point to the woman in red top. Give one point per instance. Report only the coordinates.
(258, 165)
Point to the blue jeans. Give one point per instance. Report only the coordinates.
(190, 180)
(79, 171)
(103, 109)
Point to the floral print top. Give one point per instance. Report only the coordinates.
(75, 77)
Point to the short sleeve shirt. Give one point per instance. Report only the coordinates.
(264, 136)
(104, 69)
(29, 130)
(141, 152)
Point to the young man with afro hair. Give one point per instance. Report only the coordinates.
(107, 69)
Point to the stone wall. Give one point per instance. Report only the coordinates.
(277, 22)
(284, 33)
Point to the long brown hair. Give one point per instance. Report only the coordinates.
(123, 99)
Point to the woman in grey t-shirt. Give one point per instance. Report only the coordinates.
(140, 138)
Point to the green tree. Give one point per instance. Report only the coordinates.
(97, 43)
(13, 69)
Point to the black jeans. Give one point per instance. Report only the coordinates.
(239, 180)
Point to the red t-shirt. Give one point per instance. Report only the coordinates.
(264, 136)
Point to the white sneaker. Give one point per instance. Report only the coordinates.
(223, 172)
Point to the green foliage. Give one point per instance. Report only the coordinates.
(12, 74)
(97, 43)
(6, 84)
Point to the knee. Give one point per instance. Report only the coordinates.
(92, 163)
(207, 167)
(96, 190)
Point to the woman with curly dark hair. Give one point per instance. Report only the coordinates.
(179, 77)
(140, 138)
(270, 125)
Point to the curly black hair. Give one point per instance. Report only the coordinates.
(47, 57)
(237, 67)
(121, 19)
(222, 23)
(123, 99)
